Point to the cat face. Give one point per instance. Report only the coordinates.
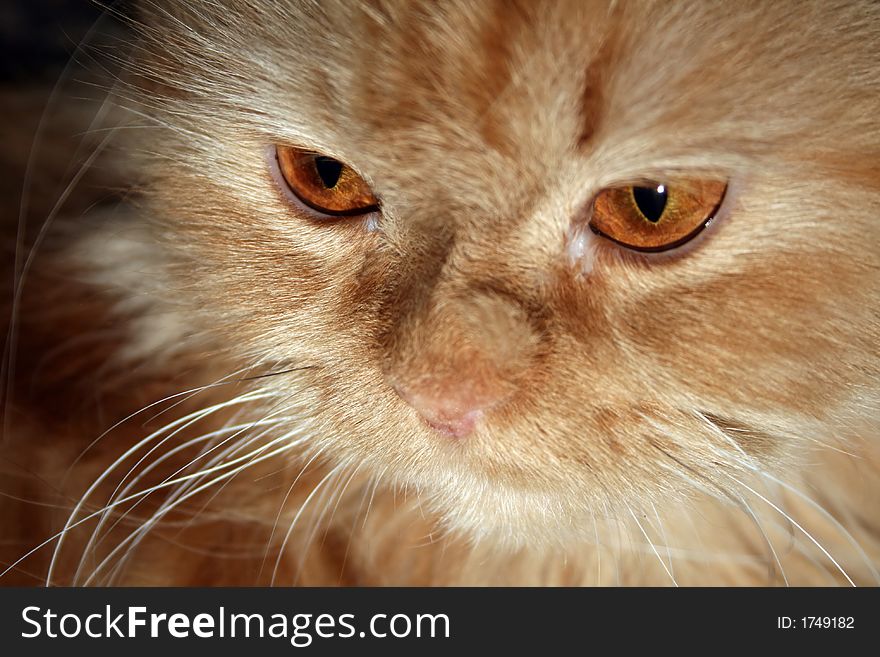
(473, 338)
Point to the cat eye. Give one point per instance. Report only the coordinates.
(325, 184)
(656, 217)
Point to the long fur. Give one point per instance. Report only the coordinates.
(201, 378)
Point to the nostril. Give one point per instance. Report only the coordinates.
(450, 412)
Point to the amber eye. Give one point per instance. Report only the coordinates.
(656, 217)
(325, 184)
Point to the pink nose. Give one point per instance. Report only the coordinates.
(450, 411)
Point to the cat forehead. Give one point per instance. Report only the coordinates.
(635, 86)
(535, 83)
(503, 75)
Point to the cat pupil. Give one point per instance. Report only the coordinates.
(651, 201)
(329, 170)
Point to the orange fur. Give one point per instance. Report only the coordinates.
(703, 418)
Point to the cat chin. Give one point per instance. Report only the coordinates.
(533, 523)
(511, 520)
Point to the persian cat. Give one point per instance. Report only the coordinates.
(434, 293)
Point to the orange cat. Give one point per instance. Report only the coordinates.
(452, 293)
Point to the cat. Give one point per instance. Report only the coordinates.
(466, 292)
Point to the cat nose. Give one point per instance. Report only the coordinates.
(461, 358)
(448, 408)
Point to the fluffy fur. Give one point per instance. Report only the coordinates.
(203, 378)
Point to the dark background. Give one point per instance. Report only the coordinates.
(38, 37)
(539, 622)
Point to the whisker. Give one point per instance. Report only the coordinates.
(249, 461)
(351, 533)
(796, 524)
(319, 521)
(664, 537)
(653, 547)
(22, 262)
(131, 416)
(220, 460)
(701, 482)
(283, 504)
(269, 419)
(828, 516)
(129, 452)
(94, 542)
(296, 518)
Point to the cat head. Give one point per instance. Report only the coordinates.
(481, 320)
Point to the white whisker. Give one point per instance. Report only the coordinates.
(296, 518)
(653, 547)
(796, 524)
(249, 461)
(129, 452)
